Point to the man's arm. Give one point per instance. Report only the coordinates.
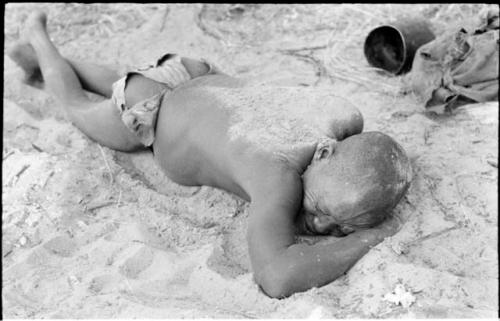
(281, 267)
(340, 120)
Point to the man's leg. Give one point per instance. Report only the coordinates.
(100, 121)
(59, 77)
(67, 80)
(93, 78)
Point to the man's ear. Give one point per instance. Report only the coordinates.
(325, 148)
(346, 230)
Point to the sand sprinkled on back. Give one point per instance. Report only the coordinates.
(280, 118)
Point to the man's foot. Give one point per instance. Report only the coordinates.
(23, 54)
(34, 26)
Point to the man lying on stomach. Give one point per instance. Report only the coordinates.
(297, 154)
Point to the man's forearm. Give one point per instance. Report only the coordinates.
(301, 266)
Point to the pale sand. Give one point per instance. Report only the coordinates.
(93, 233)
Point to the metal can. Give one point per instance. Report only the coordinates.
(392, 46)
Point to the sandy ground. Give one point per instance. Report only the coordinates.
(93, 233)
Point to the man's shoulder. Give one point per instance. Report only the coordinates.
(275, 182)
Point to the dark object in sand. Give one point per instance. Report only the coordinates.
(392, 47)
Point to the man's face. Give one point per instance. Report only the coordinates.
(352, 184)
(327, 203)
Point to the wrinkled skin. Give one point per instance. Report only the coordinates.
(347, 189)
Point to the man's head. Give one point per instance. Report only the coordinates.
(354, 183)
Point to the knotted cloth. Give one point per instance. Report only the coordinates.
(459, 67)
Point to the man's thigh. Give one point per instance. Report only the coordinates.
(102, 122)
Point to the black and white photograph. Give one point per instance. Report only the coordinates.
(250, 161)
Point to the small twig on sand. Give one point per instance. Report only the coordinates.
(245, 315)
(8, 155)
(38, 149)
(107, 164)
(164, 19)
(119, 199)
(321, 70)
(196, 191)
(492, 163)
(7, 252)
(98, 205)
(19, 173)
(27, 126)
(426, 136)
(432, 235)
(47, 179)
(295, 50)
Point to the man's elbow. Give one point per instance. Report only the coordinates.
(275, 284)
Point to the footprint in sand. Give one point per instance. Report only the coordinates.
(230, 258)
(137, 263)
(105, 283)
(61, 245)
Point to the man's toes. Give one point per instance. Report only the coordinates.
(37, 19)
(35, 24)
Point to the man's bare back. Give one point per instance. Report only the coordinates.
(217, 123)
